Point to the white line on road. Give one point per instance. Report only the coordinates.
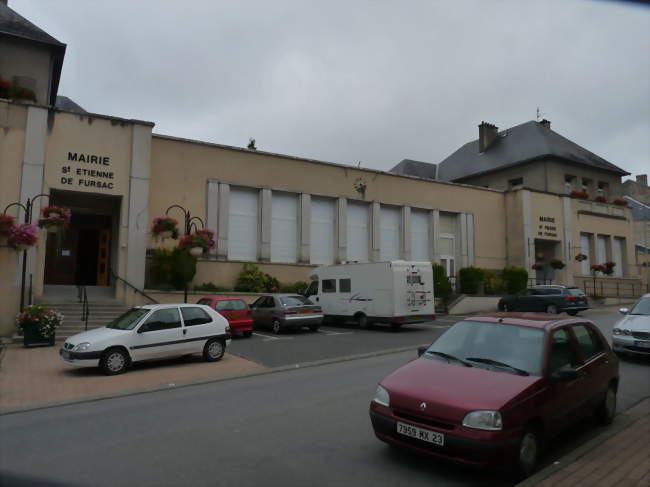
(335, 332)
(268, 338)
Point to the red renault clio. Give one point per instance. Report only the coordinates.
(235, 310)
(491, 389)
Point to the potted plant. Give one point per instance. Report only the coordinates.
(38, 324)
(583, 195)
(537, 266)
(7, 223)
(580, 257)
(620, 202)
(557, 264)
(198, 242)
(600, 199)
(596, 268)
(164, 227)
(23, 236)
(609, 268)
(54, 218)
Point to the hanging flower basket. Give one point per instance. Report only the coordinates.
(581, 257)
(164, 227)
(38, 325)
(537, 266)
(609, 268)
(557, 264)
(198, 242)
(7, 223)
(23, 236)
(54, 218)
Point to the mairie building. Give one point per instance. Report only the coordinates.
(503, 199)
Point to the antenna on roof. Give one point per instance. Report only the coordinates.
(539, 114)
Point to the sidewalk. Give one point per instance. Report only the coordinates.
(619, 456)
(37, 377)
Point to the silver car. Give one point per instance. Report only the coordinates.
(631, 334)
(285, 311)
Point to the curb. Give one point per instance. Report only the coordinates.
(166, 387)
(623, 421)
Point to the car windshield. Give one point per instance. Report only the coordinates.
(508, 348)
(230, 305)
(642, 307)
(128, 320)
(295, 300)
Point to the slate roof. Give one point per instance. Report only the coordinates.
(522, 143)
(420, 169)
(12, 23)
(65, 103)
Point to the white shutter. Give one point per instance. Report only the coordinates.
(420, 235)
(284, 227)
(322, 231)
(617, 252)
(242, 224)
(389, 233)
(584, 249)
(601, 249)
(357, 230)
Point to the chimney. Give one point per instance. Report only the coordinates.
(486, 135)
(642, 179)
(545, 123)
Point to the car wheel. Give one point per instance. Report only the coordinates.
(607, 409)
(314, 328)
(572, 313)
(248, 333)
(276, 326)
(362, 321)
(507, 308)
(501, 306)
(114, 361)
(552, 309)
(528, 453)
(213, 350)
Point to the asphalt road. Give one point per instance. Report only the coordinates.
(307, 426)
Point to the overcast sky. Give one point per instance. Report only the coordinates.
(370, 81)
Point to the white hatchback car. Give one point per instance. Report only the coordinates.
(150, 333)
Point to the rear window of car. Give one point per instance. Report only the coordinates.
(294, 300)
(195, 316)
(230, 305)
(575, 292)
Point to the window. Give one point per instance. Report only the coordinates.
(603, 188)
(295, 301)
(230, 305)
(329, 285)
(264, 302)
(322, 231)
(243, 224)
(413, 279)
(562, 352)
(601, 249)
(585, 249)
(513, 183)
(284, 227)
(345, 285)
(588, 342)
(420, 246)
(569, 183)
(204, 301)
(586, 184)
(163, 319)
(389, 236)
(618, 250)
(312, 289)
(128, 320)
(195, 316)
(357, 230)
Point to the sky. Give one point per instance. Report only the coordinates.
(361, 82)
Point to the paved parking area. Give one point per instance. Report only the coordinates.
(332, 342)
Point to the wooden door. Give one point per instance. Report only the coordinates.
(104, 257)
(61, 257)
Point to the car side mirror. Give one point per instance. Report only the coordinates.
(565, 374)
(421, 350)
(624, 311)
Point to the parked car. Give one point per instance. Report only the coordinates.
(150, 333)
(631, 335)
(280, 312)
(492, 389)
(396, 292)
(549, 299)
(235, 310)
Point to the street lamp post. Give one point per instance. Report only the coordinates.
(189, 223)
(27, 208)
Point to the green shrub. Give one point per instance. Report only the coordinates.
(470, 279)
(183, 268)
(441, 285)
(271, 284)
(515, 279)
(251, 280)
(493, 282)
(161, 267)
(294, 287)
(212, 288)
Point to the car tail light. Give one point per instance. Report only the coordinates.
(570, 298)
(318, 310)
(290, 312)
(399, 318)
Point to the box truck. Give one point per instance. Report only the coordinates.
(396, 292)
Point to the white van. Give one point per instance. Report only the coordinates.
(396, 292)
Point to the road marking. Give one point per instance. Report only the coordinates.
(269, 338)
(335, 332)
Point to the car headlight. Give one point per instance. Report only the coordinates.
(382, 397)
(626, 331)
(81, 347)
(617, 331)
(483, 420)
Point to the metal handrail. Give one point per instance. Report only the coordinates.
(139, 291)
(85, 307)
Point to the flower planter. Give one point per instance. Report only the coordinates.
(196, 251)
(32, 336)
(54, 229)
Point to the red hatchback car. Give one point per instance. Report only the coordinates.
(235, 310)
(492, 389)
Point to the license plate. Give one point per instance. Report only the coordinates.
(420, 434)
(642, 344)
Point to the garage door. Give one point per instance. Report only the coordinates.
(322, 231)
(390, 233)
(243, 224)
(420, 235)
(357, 230)
(284, 227)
